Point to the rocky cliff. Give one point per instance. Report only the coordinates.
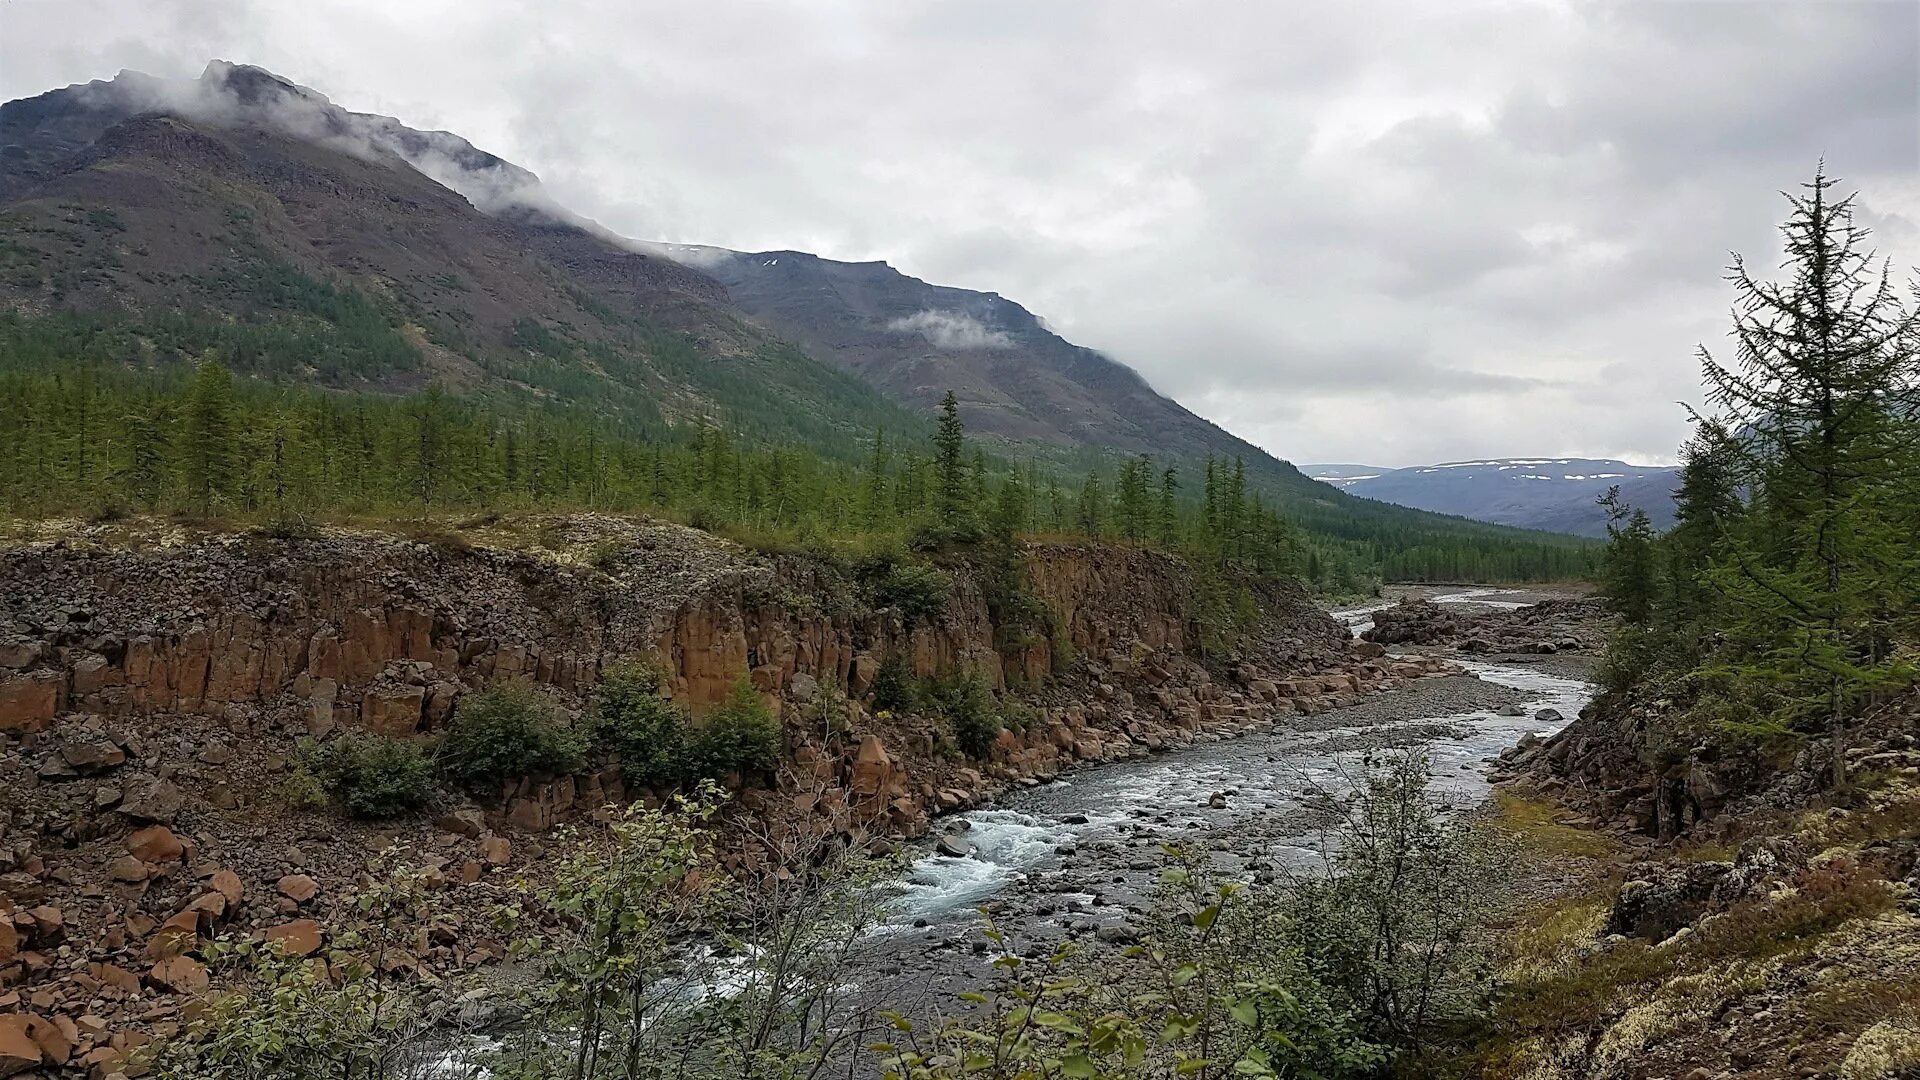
(153, 685)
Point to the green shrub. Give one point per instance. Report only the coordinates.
(740, 736)
(893, 685)
(644, 731)
(374, 776)
(504, 732)
(970, 710)
(975, 717)
(917, 589)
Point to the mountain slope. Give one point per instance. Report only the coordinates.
(297, 239)
(1017, 379)
(1556, 494)
(154, 220)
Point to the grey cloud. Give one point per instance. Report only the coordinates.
(951, 330)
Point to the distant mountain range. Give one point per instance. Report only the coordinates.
(1557, 494)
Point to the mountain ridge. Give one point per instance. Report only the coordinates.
(1554, 493)
(266, 212)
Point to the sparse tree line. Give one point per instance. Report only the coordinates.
(1785, 603)
(94, 441)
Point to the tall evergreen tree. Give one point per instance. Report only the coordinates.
(1630, 576)
(1168, 517)
(952, 489)
(1824, 367)
(208, 434)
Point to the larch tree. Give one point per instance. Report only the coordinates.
(208, 436)
(1817, 399)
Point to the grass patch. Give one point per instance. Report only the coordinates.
(1531, 823)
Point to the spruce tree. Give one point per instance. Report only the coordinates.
(1092, 506)
(1169, 515)
(952, 491)
(1629, 571)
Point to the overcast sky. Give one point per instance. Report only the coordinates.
(1385, 233)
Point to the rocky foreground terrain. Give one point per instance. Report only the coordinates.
(1724, 910)
(155, 684)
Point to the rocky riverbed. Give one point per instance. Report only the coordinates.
(1077, 858)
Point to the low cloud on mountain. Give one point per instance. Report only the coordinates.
(951, 330)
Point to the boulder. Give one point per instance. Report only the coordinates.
(1669, 897)
(469, 823)
(29, 702)
(87, 756)
(953, 847)
(129, 870)
(298, 887)
(181, 974)
(155, 844)
(227, 884)
(298, 938)
(18, 1051)
(152, 800)
(393, 710)
(872, 768)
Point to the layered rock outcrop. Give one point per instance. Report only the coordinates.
(152, 694)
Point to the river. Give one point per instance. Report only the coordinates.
(1081, 853)
(1078, 857)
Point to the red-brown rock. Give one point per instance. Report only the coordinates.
(28, 702)
(298, 938)
(227, 884)
(299, 888)
(181, 974)
(155, 844)
(393, 710)
(18, 1051)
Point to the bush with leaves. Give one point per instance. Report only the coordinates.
(505, 732)
(893, 689)
(918, 589)
(281, 1017)
(374, 776)
(973, 714)
(740, 736)
(624, 895)
(647, 734)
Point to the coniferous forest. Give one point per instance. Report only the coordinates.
(199, 434)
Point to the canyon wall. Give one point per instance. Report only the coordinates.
(155, 686)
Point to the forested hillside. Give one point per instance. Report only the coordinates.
(392, 347)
